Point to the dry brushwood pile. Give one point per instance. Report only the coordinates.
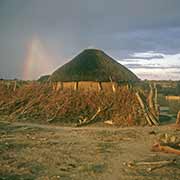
(167, 143)
(40, 103)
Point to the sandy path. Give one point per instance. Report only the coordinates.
(55, 152)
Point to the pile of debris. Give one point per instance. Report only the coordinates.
(164, 143)
(40, 103)
(167, 143)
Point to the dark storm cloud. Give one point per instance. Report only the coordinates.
(120, 27)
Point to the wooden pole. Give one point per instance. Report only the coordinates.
(178, 118)
(59, 86)
(76, 86)
(100, 86)
(113, 85)
(143, 109)
(148, 115)
(152, 101)
(156, 101)
(15, 85)
(150, 98)
(54, 86)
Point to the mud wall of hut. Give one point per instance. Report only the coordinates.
(86, 86)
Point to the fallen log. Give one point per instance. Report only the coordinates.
(146, 163)
(166, 149)
(156, 162)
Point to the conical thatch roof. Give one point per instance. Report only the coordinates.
(44, 78)
(93, 65)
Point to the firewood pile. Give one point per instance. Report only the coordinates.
(164, 143)
(167, 143)
(40, 103)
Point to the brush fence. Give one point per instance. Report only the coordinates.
(86, 85)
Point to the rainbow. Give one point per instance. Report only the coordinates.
(37, 61)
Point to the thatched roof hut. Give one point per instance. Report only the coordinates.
(93, 65)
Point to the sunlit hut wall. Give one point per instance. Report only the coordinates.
(95, 86)
(89, 86)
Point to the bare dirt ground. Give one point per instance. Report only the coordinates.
(32, 151)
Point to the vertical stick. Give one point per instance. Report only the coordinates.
(113, 85)
(62, 86)
(143, 109)
(15, 85)
(178, 118)
(76, 86)
(100, 86)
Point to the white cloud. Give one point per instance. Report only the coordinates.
(149, 65)
(149, 54)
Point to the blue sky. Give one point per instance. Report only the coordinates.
(38, 36)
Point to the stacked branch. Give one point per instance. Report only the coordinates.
(38, 102)
(151, 119)
(168, 144)
(86, 120)
(152, 101)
